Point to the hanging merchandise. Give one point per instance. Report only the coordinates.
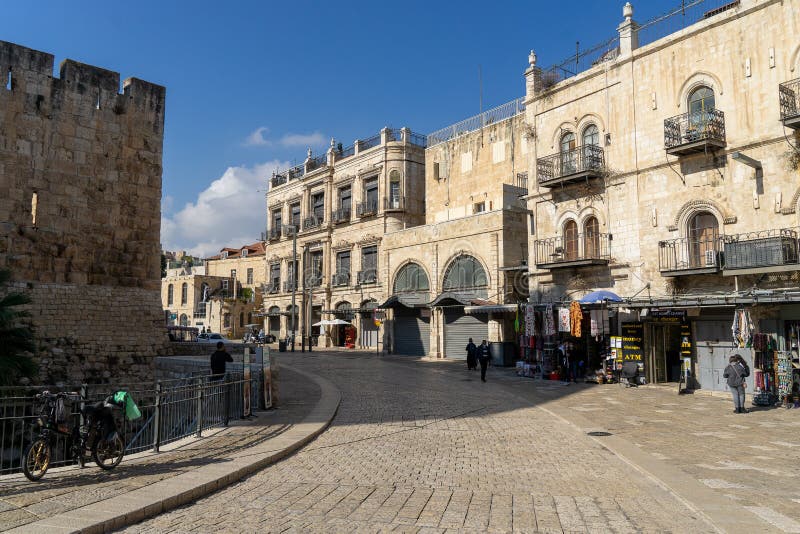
(598, 322)
(575, 317)
(742, 328)
(549, 324)
(529, 320)
(563, 320)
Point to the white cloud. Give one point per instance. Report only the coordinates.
(229, 212)
(315, 139)
(257, 137)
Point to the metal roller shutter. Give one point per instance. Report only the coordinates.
(369, 332)
(458, 328)
(275, 326)
(412, 334)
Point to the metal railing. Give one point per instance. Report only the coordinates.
(318, 162)
(502, 112)
(313, 280)
(521, 181)
(685, 254)
(369, 142)
(309, 223)
(171, 410)
(789, 97)
(420, 140)
(278, 180)
(368, 276)
(690, 127)
(364, 209)
(576, 63)
(341, 215)
(765, 248)
(289, 229)
(681, 16)
(394, 203)
(578, 160)
(578, 247)
(298, 171)
(345, 152)
(341, 279)
(289, 286)
(394, 134)
(275, 232)
(274, 287)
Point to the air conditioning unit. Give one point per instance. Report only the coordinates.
(711, 258)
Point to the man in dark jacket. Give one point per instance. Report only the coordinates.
(472, 356)
(483, 358)
(218, 360)
(736, 372)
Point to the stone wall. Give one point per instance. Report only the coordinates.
(80, 208)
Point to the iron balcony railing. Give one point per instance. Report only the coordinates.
(368, 276)
(289, 174)
(341, 215)
(309, 223)
(766, 248)
(418, 139)
(364, 209)
(341, 279)
(313, 280)
(274, 287)
(789, 97)
(702, 254)
(370, 142)
(588, 248)
(521, 181)
(289, 229)
(275, 232)
(318, 162)
(394, 134)
(579, 160)
(345, 152)
(289, 286)
(692, 127)
(500, 113)
(394, 203)
(171, 410)
(278, 180)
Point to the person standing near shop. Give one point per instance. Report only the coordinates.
(218, 361)
(472, 356)
(736, 372)
(483, 358)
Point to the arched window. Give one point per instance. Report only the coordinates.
(184, 294)
(395, 200)
(570, 240)
(170, 294)
(591, 238)
(591, 136)
(465, 272)
(703, 233)
(567, 151)
(184, 320)
(701, 100)
(344, 311)
(411, 277)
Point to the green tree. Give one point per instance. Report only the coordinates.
(16, 338)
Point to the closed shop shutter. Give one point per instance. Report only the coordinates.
(275, 326)
(714, 347)
(412, 333)
(458, 328)
(369, 332)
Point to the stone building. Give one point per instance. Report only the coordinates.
(458, 275)
(342, 203)
(80, 205)
(665, 170)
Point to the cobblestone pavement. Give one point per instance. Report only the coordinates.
(23, 502)
(425, 446)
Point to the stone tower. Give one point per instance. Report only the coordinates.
(80, 210)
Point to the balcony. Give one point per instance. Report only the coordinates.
(288, 229)
(274, 287)
(578, 164)
(313, 222)
(290, 174)
(341, 279)
(289, 286)
(760, 252)
(395, 203)
(274, 233)
(684, 256)
(313, 280)
(367, 209)
(521, 182)
(581, 251)
(342, 215)
(369, 276)
(691, 133)
(789, 97)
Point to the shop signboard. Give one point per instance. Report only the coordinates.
(686, 340)
(632, 337)
(616, 348)
(668, 316)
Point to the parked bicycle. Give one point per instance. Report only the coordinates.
(96, 437)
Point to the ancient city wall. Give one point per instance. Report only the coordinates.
(80, 208)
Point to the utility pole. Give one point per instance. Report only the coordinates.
(294, 279)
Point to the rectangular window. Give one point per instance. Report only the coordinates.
(342, 268)
(344, 198)
(250, 276)
(276, 222)
(369, 264)
(371, 193)
(315, 271)
(318, 205)
(233, 274)
(479, 207)
(295, 209)
(275, 276)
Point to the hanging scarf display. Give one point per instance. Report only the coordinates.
(742, 328)
(598, 322)
(530, 321)
(575, 317)
(563, 320)
(549, 325)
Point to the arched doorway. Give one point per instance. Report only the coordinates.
(466, 279)
(703, 234)
(411, 323)
(368, 334)
(344, 312)
(274, 321)
(570, 240)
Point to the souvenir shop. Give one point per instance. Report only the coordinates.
(776, 355)
(581, 329)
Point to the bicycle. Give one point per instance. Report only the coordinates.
(97, 436)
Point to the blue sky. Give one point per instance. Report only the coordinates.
(251, 84)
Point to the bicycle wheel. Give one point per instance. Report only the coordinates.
(36, 459)
(108, 453)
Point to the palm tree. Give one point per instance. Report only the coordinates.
(16, 338)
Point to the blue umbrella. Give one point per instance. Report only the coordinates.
(598, 297)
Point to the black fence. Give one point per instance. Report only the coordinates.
(691, 127)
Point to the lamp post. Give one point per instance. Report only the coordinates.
(293, 229)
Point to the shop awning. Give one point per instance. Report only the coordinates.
(490, 308)
(452, 297)
(715, 301)
(411, 300)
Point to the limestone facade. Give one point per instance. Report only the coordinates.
(80, 205)
(343, 202)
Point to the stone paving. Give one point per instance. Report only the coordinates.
(23, 502)
(426, 447)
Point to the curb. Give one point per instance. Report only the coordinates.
(165, 495)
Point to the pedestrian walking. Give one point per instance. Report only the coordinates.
(472, 356)
(736, 372)
(483, 358)
(218, 361)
